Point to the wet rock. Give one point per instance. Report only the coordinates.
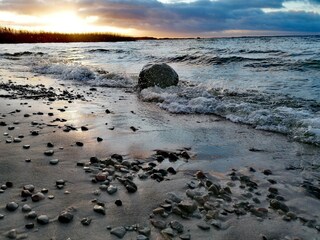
(65, 217)
(188, 206)
(12, 206)
(79, 144)
(54, 161)
(185, 236)
(118, 232)
(216, 223)
(99, 209)
(200, 175)
(86, 221)
(273, 190)
(31, 215)
(99, 139)
(26, 208)
(171, 170)
(26, 146)
(49, 152)
(142, 237)
(118, 202)
(117, 157)
(29, 225)
(9, 184)
(84, 128)
(158, 224)
(275, 204)
(50, 145)
(158, 210)
(43, 219)
(203, 226)
(12, 234)
(160, 74)
(311, 189)
(29, 187)
(102, 176)
(174, 197)
(168, 232)
(176, 226)
(134, 129)
(144, 230)
(112, 189)
(267, 172)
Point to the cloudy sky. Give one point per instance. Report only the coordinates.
(165, 18)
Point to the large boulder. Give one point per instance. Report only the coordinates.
(158, 74)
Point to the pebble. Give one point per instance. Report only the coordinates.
(79, 144)
(168, 232)
(43, 219)
(267, 172)
(99, 209)
(176, 226)
(86, 221)
(99, 139)
(118, 202)
(185, 236)
(50, 197)
(1, 216)
(37, 197)
(54, 161)
(26, 193)
(118, 231)
(187, 206)
(26, 146)
(31, 215)
(144, 231)
(203, 226)
(12, 234)
(49, 152)
(84, 128)
(17, 140)
(26, 208)
(29, 225)
(12, 206)
(50, 145)
(65, 217)
(275, 204)
(216, 223)
(158, 224)
(142, 237)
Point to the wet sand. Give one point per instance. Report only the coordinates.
(219, 180)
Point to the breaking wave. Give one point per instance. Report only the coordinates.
(297, 118)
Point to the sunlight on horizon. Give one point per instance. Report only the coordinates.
(63, 22)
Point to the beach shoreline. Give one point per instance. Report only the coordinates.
(84, 123)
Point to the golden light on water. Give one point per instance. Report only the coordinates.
(63, 22)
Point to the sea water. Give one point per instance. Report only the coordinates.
(270, 83)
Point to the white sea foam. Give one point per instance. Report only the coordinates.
(262, 112)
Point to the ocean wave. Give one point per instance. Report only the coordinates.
(103, 50)
(21, 54)
(281, 64)
(297, 118)
(208, 60)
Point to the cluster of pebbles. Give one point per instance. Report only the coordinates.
(207, 201)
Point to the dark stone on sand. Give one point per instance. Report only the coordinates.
(311, 189)
(203, 226)
(108, 111)
(118, 232)
(49, 152)
(79, 144)
(65, 217)
(60, 182)
(99, 209)
(275, 204)
(50, 145)
(99, 139)
(118, 202)
(43, 219)
(84, 128)
(176, 226)
(273, 190)
(159, 74)
(94, 160)
(133, 129)
(26, 146)
(37, 197)
(188, 206)
(34, 133)
(9, 184)
(12, 206)
(267, 172)
(171, 170)
(158, 224)
(86, 221)
(185, 236)
(117, 157)
(29, 225)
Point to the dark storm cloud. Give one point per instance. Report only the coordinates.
(195, 17)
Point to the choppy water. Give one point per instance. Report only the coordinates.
(271, 83)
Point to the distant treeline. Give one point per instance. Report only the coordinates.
(9, 35)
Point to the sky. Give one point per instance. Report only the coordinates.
(165, 18)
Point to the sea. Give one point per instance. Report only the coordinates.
(269, 83)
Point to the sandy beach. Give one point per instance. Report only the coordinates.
(83, 162)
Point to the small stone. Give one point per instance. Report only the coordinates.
(273, 190)
(168, 232)
(185, 236)
(16, 140)
(176, 226)
(50, 197)
(134, 129)
(203, 226)
(118, 203)
(187, 206)
(50, 145)
(99, 139)
(26, 146)
(60, 182)
(31, 215)
(54, 161)
(26, 208)
(112, 189)
(84, 128)
(12, 234)
(145, 231)
(79, 144)
(49, 152)
(158, 224)
(43, 219)
(37, 197)
(118, 231)
(173, 197)
(65, 217)
(9, 184)
(216, 223)
(267, 172)
(275, 204)
(142, 237)
(1, 216)
(102, 176)
(29, 225)
(12, 206)
(99, 209)
(86, 221)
